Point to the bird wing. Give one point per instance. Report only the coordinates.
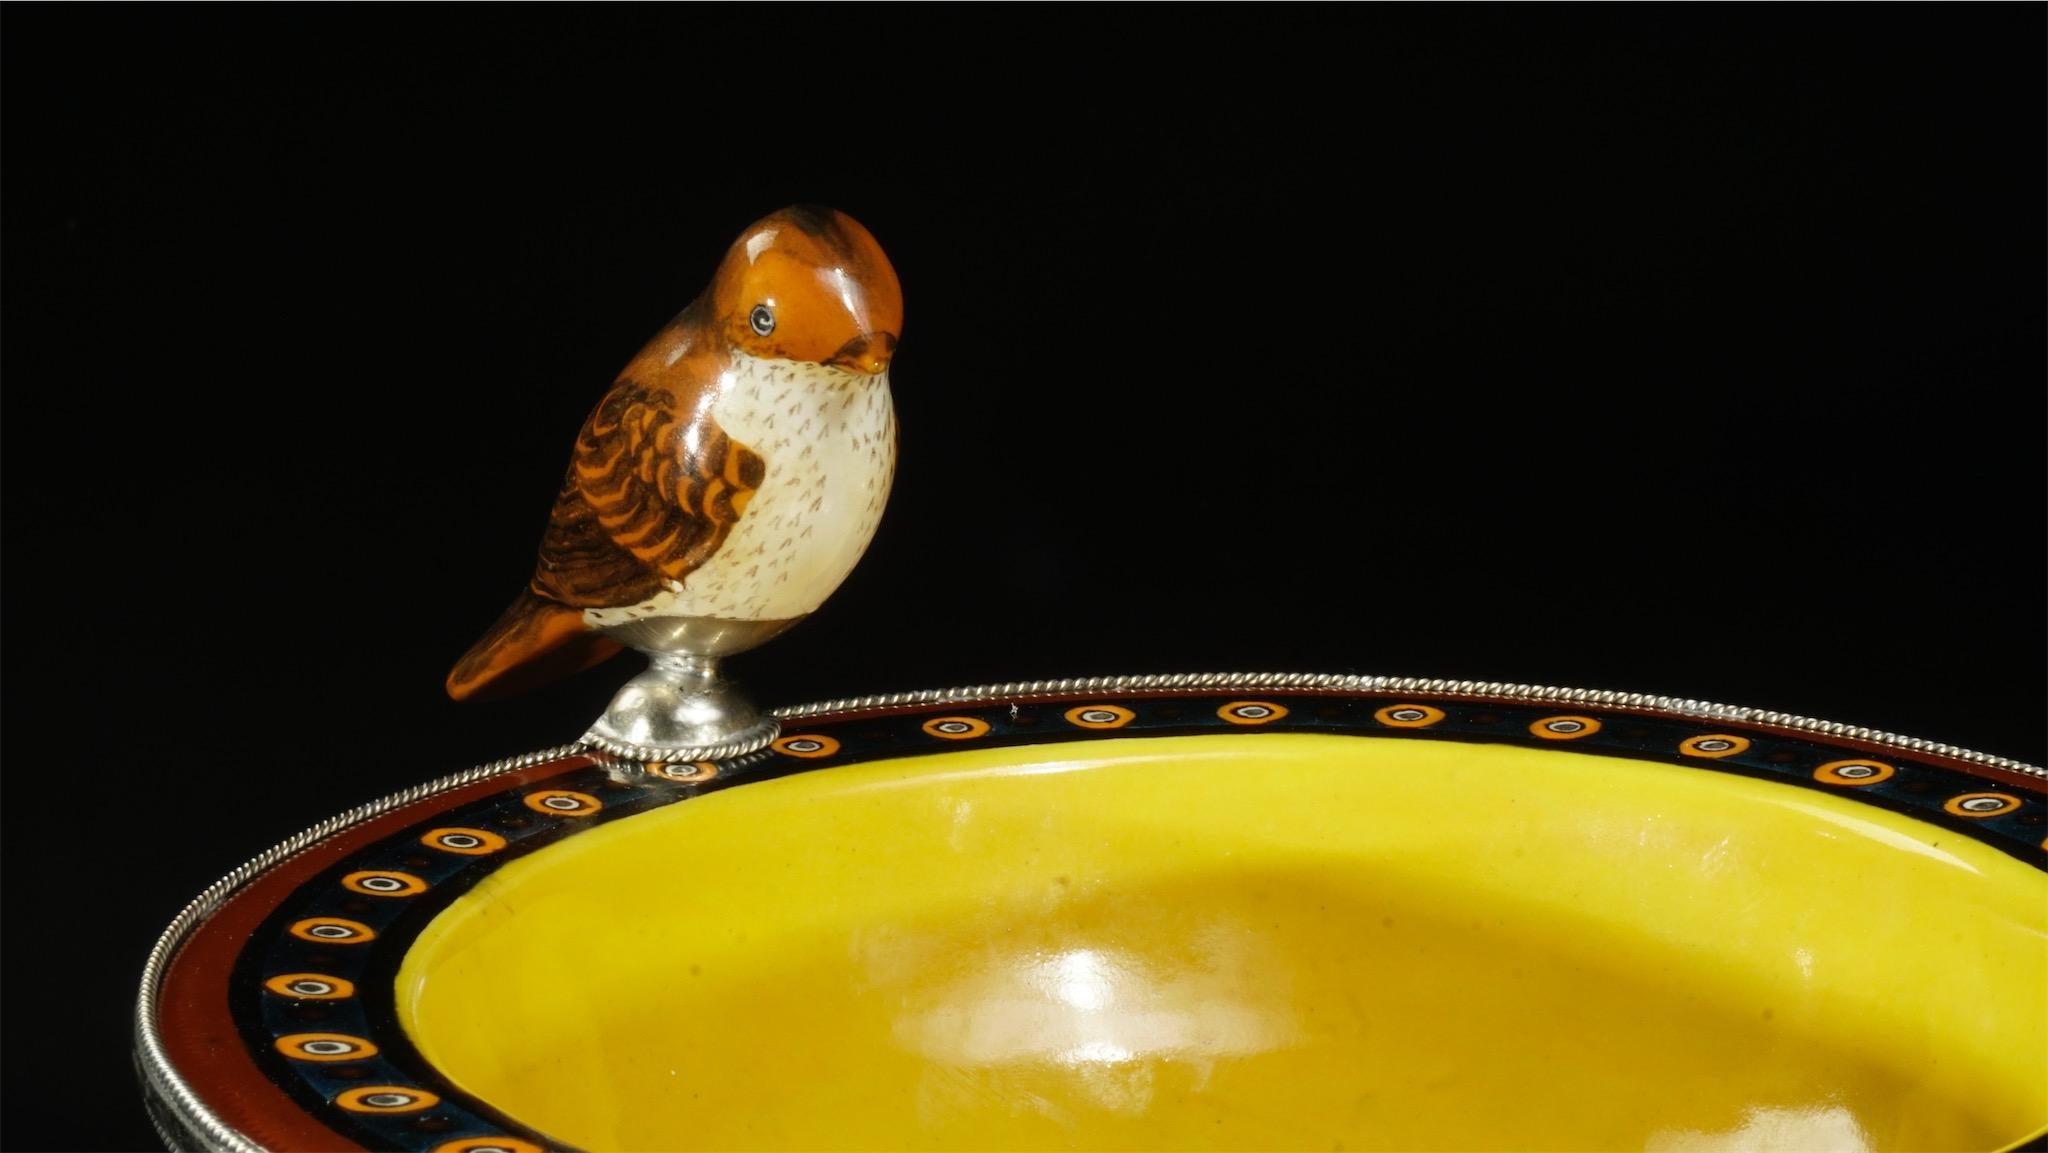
(646, 500)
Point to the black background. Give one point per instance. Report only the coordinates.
(1695, 352)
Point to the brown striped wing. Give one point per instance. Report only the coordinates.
(642, 503)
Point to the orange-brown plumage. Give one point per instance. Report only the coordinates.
(655, 487)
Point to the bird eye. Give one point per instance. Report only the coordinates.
(762, 320)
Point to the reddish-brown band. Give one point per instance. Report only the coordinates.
(198, 1030)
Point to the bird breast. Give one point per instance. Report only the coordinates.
(827, 438)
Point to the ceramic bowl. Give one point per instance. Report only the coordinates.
(1271, 912)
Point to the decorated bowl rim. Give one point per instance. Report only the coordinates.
(181, 1117)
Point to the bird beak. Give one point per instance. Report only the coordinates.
(867, 353)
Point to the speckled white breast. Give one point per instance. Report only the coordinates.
(828, 439)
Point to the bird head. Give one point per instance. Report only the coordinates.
(809, 284)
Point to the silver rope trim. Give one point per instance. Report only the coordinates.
(753, 741)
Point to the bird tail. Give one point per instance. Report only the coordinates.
(534, 642)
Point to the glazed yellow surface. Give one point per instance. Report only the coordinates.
(1258, 941)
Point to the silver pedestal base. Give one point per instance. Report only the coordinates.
(680, 709)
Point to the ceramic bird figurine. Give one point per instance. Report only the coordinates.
(719, 493)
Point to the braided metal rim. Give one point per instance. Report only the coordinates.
(175, 1105)
(760, 737)
(175, 1110)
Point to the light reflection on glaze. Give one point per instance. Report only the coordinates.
(1811, 1129)
(1888, 837)
(1098, 1006)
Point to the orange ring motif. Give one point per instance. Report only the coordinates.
(1854, 773)
(1100, 716)
(688, 774)
(311, 987)
(1567, 728)
(325, 1047)
(807, 745)
(1252, 712)
(345, 931)
(1968, 805)
(487, 1145)
(1714, 746)
(384, 883)
(1408, 716)
(386, 1099)
(463, 841)
(573, 804)
(955, 728)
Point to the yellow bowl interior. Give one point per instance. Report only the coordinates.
(1255, 941)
